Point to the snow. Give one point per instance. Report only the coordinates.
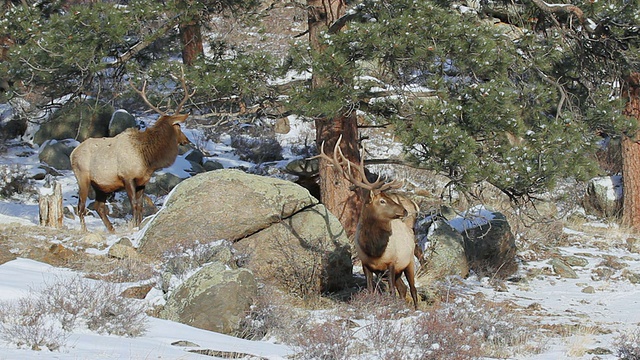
(612, 306)
(21, 275)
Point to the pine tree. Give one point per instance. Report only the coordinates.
(70, 50)
(518, 105)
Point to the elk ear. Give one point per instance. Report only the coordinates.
(179, 118)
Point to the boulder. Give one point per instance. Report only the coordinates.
(307, 252)
(162, 183)
(210, 165)
(604, 196)
(56, 154)
(488, 242)
(215, 298)
(194, 155)
(77, 120)
(120, 121)
(271, 221)
(442, 253)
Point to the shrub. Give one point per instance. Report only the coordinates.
(26, 323)
(183, 259)
(257, 150)
(628, 345)
(44, 319)
(327, 340)
(14, 180)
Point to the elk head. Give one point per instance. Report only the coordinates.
(176, 118)
(383, 206)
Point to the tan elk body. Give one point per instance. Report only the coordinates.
(126, 161)
(385, 240)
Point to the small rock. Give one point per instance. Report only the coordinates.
(589, 290)
(93, 239)
(184, 343)
(575, 261)
(137, 292)
(561, 269)
(631, 276)
(599, 351)
(602, 273)
(121, 251)
(59, 255)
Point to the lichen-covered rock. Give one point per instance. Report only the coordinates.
(78, 120)
(215, 299)
(270, 221)
(488, 242)
(442, 253)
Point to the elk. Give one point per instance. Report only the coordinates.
(384, 236)
(127, 160)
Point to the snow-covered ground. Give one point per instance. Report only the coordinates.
(593, 310)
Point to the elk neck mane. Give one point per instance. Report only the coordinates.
(156, 144)
(373, 236)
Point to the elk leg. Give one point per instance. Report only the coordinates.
(391, 273)
(402, 288)
(137, 216)
(101, 208)
(132, 194)
(368, 274)
(83, 193)
(410, 273)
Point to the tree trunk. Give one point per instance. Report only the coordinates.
(50, 206)
(191, 39)
(631, 157)
(335, 191)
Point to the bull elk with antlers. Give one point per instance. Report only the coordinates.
(127, 160)
(384, 237)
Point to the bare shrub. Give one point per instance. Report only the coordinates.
(273, 316)
(112, 313)
(328, 340)
(45, 318)
(493, 328)
(96, 304)
(257, 150)
(628, 345)
(26, 323)
(301, 273)
(390, 339)
(381, 305)
(15, 180)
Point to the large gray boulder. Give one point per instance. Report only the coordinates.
(273, 223)
(442, 253)
(56, 154)
(120, 121)
(77, 120)
(604, 196)
(488, 242)
(215, 298)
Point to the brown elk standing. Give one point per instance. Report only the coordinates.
(384, 236)
(127, 161)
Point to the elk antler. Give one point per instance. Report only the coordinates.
(378, 186)
(183, 82)
(143, 95)
(187, 96)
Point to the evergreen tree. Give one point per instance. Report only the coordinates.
(517, 105)
(67, 49)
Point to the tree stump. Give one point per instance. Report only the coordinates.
(51, 207)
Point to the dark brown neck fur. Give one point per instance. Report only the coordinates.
(374, 236)
(158, 145)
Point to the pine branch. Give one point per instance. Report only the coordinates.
(143, 44)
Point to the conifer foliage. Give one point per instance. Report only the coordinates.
(518, 104)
